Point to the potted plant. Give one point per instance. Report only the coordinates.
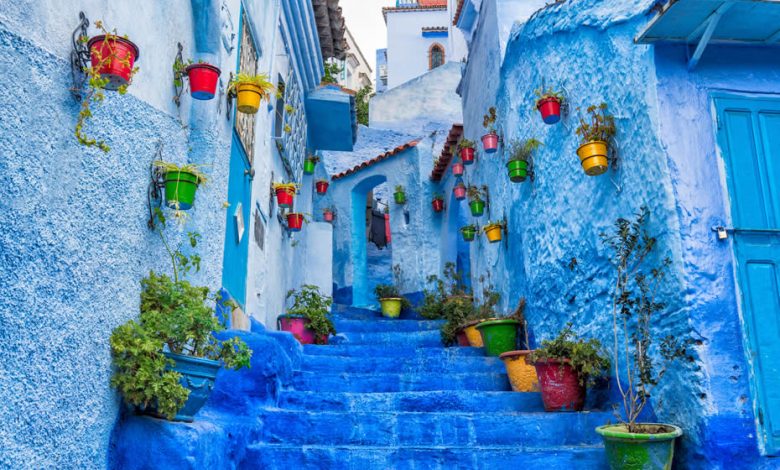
(476, 203)
(565, 366)
(166, 362)
(522, 375)
(520, 157)
(456, 310)
(391, 300)
(549, 105)
(112, 67)
(295, 221)
(250, 91)
(630, 444)
(458, 169)
(466, 147)
(483, 311)
(438, 202)
(285, 192)
(459, 190)
(493, 231)
(469, 232)
(595, 135)
(309, 317)
(490, 140)
(181, 183)
(203, 78)
(399, 195)
(310, 164)
(322, 186)
(328, 214)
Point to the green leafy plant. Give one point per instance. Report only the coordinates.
(523, 151)
(466, 144)
(179, 68)
(313, 158)
(586, 356)
(456, 311)
(260, 80)
(438, 197)
(599, 127)
(550, 93)
(362, 98)
(489, 120)
(96, 84)
(393, 291)
(310, 303)
(289, 109)
(443, 289)
(634, 304)
(519, 315)
(400, 189)
(331, 71)
(475, 193)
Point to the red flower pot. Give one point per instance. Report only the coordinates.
(322, 187)
(550, 109)
(458, 169)
(438, 205)
(203, 80)
(490, 142)
(463, 340)
(328, 216)
(467, 155)
(460, 192)
(294, 221)
(121, 54)
(560, 383)
(299, 327)
(284, 197)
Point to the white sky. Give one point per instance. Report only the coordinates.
(364, 20)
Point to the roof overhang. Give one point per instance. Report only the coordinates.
(704, 22)
(331, 28)
(332, 117)
(447, 153)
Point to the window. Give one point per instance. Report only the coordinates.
(435, 56)
(245, 123)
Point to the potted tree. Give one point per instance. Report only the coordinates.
(522, 375)
(520, 155)
(458, 169)
(595, 135)
(309, 317)
(295, 221)
(250, 91)
(322, 186)
(490, 140)
(476, 203)
(310, 164)
(438, 202)
(549, 105)
(166, 362)
(328, 214)
(459, 190)
(391, 300)
(285, 192)
(633, 444)
(466, 147)
(399, 195)
(565, 366)
(469, 232)
(181, 183)
(493, 231)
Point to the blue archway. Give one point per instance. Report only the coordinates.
(361, 295)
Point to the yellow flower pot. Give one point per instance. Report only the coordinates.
(473, 334)
(249, 97)
(522, 375)
(593, 157)
(391, 307)
(493, 232)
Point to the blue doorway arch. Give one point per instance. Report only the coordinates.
(361, 295)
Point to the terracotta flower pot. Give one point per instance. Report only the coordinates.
(522, 375)
(463, 340)
(458, 169)
(560, 384)
(438, 205)
(473, 335)
(490, 142)
(460, 192)
(322, 187)
(294, 221)
(327, 216)
(467, 155)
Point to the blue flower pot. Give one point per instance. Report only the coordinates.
(197, 375)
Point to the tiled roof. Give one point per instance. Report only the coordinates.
(458, 11)
(376, 159)
(446, 154)
(433, 3)
(385, 10)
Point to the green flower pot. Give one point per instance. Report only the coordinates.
(308, 167)
(627, 451)
(400, 198)
(477, 208)
(180, 187)
(469, 234)
(391, 307)
(518, 170)
(499, 336)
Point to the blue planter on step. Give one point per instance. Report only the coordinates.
(197, 375)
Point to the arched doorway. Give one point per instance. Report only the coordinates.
(363, 281)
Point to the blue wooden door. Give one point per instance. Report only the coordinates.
(749, 136)
(239, 198)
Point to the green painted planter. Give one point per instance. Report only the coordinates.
(626, 451)
(477, 208)
(308, 167)
(400, 198)
(499, 336)
(518, 170)
(180, 187)
(391, 307)
(469, 234)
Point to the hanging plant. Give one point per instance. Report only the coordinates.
(459, 190)
(494, 231)
(399, 195)
(549, 104)
(322, 186)
(181, 183)
(295, 221)
(251, 90)
(596, 134)
(203, 77)
(112, 67)
(520, 154)
(328, 214)
(476, 201)
(466, 151)
(310, 164)
(490, 140)
(469, 232)
(285, 192)
(457, 169)
(438, 202)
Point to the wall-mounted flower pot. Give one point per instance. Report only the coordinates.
(299, 327)
(467, 155)
(477, 208)
(493, 232)
(438, 205)
(308, 166)
(284, 195)
(560, 384)
(460, 192)
(322, 187)
(391, 307)
(473, 335)
(593, 157)
(203, 80)
(294, 221)
(641, 451)
(469, 233)
(463, 340)
(180, 188)
(458, 169)
(197, 375)
(490, 142)
(522, 375)
(122, 54)
(327, 216)
(499, 336)
(248, 97)
(550, 109)
(518, 170)
(400, 197)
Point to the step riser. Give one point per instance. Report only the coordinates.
(401, 365)
(315, 381)
(356, 350)
(344, 325)
(391, 339)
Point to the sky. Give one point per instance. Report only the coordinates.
(364, 20)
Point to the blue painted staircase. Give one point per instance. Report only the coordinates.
(387, 395)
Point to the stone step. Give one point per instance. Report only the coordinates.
(413, 382)
(367, 350)
(460, 364)
(448, 400)
(327, 457)
(395, 339)
(347, 325)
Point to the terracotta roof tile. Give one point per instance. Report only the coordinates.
(458, 11)
(456, 132)
(385, 10)
(376, 159)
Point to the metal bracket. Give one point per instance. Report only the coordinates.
(487, 198)
(505, 230)
(79, 57)
(178, 75)
(229, 99)
(613, 162)
(156, 184)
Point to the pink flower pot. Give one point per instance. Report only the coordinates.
(299, 329)
(458, 169)
(490, 142)
(460, 192)
(328, 216)
(467, 155)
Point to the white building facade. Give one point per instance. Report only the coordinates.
(356, 73)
